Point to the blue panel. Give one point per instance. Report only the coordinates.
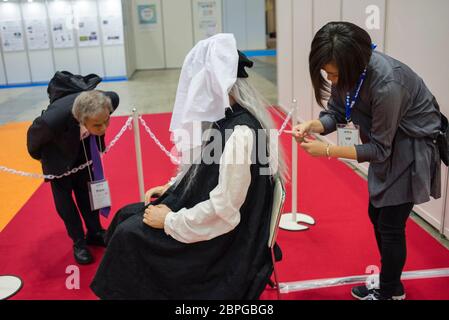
(45, 83)
(260, 53)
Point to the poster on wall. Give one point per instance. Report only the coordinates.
(147, 16)
(112, 30)
(12, 35)
(37, 34)
(62, 33)
(88, 35)
(208, 18)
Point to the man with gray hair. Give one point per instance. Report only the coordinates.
(61, 139)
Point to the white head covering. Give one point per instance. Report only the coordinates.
(208, 74)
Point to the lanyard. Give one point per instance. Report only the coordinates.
(351, 102)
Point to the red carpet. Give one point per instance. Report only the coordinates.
(35, 246)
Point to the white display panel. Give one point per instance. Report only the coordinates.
(16, 61)
(12, 35)
(42, 36)
(324, 11)
(255, 25)
(88, 32)
(234, 21)
(37, 35)
(88, 37)
(207, 18)
(66, 59)
(17, 68)
(111, 22)
(178, 31)
(130, 45)
(91, 59)
(38, 40)
(111, 30)
(62, 33)
(369, 14)
(426, 53)
(285, 53)
(63, 36)
(115, 64)
(246, 20)
(61, 23)
(148, 34)
(302, 37)
(2, 71)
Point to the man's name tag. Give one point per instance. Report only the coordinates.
(348, 135)
(99, 195)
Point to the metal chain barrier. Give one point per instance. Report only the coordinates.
(174, 159)
(156, 140)
(128, 125)
(286, 121)
(41, 176)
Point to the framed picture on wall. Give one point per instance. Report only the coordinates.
(147, 16)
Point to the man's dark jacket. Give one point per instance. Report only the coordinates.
(54, 137)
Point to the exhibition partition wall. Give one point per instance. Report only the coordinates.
(130, 45)
(148, 33)
(43, 36)
(165, 30)
(412, 31)
(2, 71)
(178, 30)
(15, 57)
(247, 21)
(113, 38)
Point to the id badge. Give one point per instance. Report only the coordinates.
(99, 195)
(348, 135)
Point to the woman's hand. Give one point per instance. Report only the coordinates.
(315, 148)
(155, 192)
(301, 131)
(154, 216)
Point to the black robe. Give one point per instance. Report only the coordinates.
(145, 263)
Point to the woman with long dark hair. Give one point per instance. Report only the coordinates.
(382, 102)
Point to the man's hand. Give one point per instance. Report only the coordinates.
(315, 148)
(154, 216)
(155, 192)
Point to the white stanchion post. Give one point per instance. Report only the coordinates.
(136, 128)
(291, 221)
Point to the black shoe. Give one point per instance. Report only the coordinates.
(96, 239)
(363, 293)
(376, 296)
(81, 253)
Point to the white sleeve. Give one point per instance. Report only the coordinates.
(219, 214)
